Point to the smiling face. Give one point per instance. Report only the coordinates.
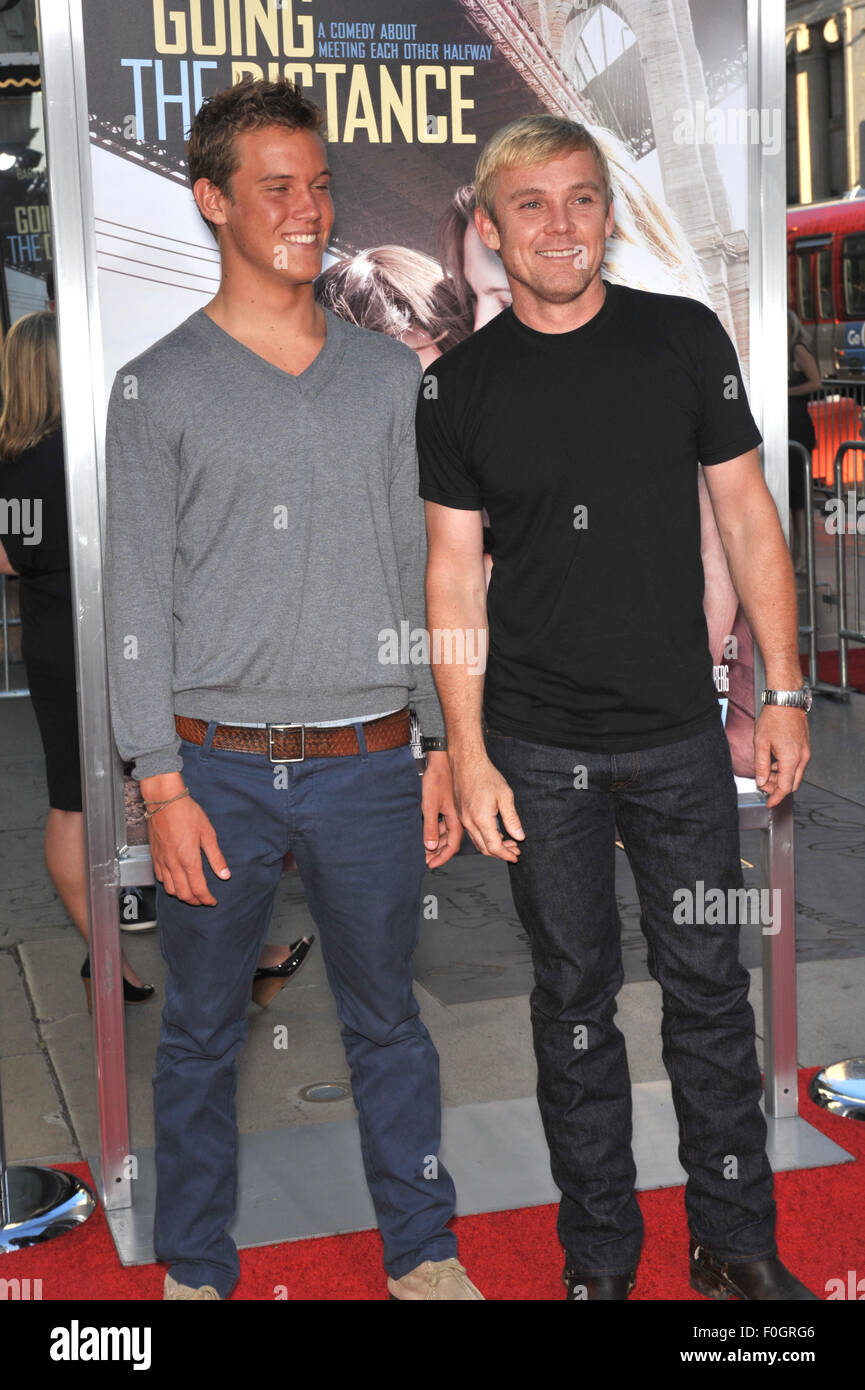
(551, 227)
(279, 216)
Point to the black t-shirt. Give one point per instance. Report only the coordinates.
(598, 638)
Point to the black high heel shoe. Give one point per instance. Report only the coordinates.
(132, 994)
(269, 979)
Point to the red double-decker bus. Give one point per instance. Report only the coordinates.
(826, 265)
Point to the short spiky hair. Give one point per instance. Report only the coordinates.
(534, 140)
(211, 150)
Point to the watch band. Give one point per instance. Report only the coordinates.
(793, 699)
(434, 745)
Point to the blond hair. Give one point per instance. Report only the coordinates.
(31, 383)
(648, 249)
(392, 290)
(534, 140)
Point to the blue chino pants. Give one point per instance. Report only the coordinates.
(354, 825)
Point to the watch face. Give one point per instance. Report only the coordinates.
(809, 699)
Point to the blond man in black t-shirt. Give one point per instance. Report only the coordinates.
(578, 418)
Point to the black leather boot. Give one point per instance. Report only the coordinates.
(757, 1280)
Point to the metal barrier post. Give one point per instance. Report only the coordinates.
(809, 629)
(779, 963)
(777, 875)
(82, 388)
(5, 623)
(841, 569)
(845, 633)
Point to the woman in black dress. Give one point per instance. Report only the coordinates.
(803, 378)
(37, 550)
(32, 479)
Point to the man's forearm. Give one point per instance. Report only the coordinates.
(762, 574)
(457, 621)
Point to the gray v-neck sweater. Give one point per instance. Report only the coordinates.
(265, 541)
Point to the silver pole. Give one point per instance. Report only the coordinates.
(811, 562)
(779, 948)
(841, 569)
(767, 238)
(857, 618)
(767, 199)
(82, 383)
(4, 1190)
(778, 874)
(845, 632)
(5, 623)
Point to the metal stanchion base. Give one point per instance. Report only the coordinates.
(43, 1203)
(841, 1088)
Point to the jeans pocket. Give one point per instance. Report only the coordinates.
(190, 753)
(489, 732)
(402, 762)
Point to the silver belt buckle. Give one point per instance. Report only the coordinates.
(282, 728)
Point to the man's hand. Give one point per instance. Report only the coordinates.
(481, 794)
(782, 749)
(178, 834)
(440, 842)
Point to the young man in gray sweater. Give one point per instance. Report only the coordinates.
(265, 537)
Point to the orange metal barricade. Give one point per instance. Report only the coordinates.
(838, 413)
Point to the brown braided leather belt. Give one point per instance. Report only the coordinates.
(292, 743)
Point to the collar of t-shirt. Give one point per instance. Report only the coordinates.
(557, 342)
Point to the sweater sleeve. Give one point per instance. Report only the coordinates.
(141, 497)
(409, 528)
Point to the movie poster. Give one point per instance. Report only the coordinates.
(412, 91)
(25, 218)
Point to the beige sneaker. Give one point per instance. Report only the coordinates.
(434, 1279)
(174, 1290)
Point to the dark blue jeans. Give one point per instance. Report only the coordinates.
(677, 816)
(354, 825)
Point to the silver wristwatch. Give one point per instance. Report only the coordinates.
(795, 699)
(415, 736)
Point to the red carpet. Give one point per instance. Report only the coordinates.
(511, 1255)
(827, 667)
